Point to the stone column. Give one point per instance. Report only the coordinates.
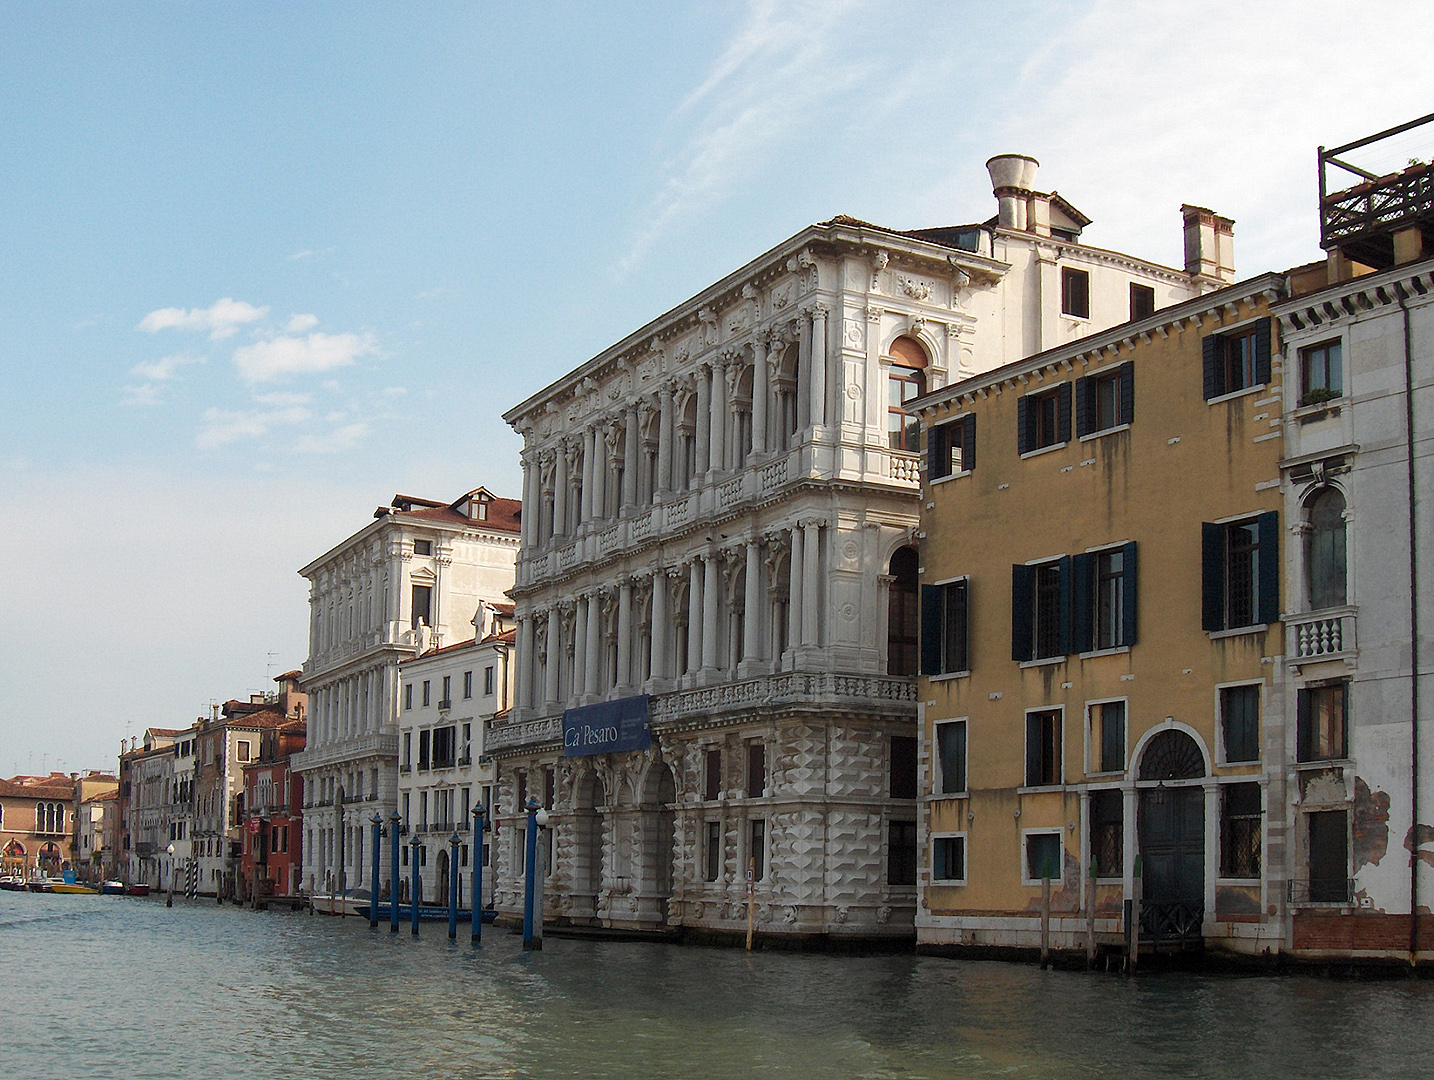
(794, 591)
(580, 644)
(803, 389)
(704, 419)
(759, 395)
(624, 633)
(555, 654)
(631, 458)
(717, 458)
(694, 615)
(665, 435)
(599, 502)
(710, 638)
(752, 603)
(525, 669)
(560, 493)
(532, 504)
(819, 364)
(657, 632)
(589, 455)
(811, 585)
(592, 666)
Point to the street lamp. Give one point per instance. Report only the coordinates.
(169, 902)
(533, 887)
(453, 842)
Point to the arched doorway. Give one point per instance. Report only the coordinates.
(901, 637)
(655, 839)
(441, 866)
(586, 872)
(1172, 838)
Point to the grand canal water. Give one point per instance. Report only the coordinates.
(113, 987)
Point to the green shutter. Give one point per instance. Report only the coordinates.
(1063, 412)
(1214, 382)
(1268, 527)
(1262, 351)
(1303, 749)
(1025, 443)
(1023, 580)
(1127, 392)
(1085, 405)
(938, 462)
(1132, 607)
(931, 629)
(1212, 576)
(1082, 632)
(968, 443)
(1033, 749)
(1065, 615)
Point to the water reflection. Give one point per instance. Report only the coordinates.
(119, 987)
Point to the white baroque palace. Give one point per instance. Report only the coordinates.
(411, 580)
(719, 516)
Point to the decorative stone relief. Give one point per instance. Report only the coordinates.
(914, 288)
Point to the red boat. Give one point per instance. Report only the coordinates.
(139, 890)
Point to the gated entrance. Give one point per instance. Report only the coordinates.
(1172, 839)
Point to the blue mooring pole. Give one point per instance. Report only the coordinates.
(394, 820)
(453, 886)
(478, 826)
(530, 852)
(373, 882)
(417, 885)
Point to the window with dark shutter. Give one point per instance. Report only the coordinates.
(714, 775)
(1322, 729)
(1268, 528)
(756, 769)
(1142, 301)
(931, 616)
(1212, 576)
(1240, 829)
(902, 775)
(1240, 722)
(1023, 585)
(1107, 833)
(1075, 292)
(1043, 748)
(951, 757)
(1082, 598)
(938, 456)
(951, 448)
(954, 627)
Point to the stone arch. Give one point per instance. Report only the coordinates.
(656, 838)
(902, 626)
(585, 867)
(1168, 749)
(1326, 555)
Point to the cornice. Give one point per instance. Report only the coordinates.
(1342, 303)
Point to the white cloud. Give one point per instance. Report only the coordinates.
(281, 401)
(337, 440)
(307, 253)
(141, 396)
(222, 318)
(299, 324)
(283, 356)
(395, 391)
(222, 426)
(163, 369)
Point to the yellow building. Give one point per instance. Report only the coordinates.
(1101, 647)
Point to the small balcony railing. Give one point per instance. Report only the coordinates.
(1321, 891)
(1320, 635)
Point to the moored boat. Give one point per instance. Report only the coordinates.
(112, 888)
(12, 884)
(73, 889)
(138, 889)
(40, 885)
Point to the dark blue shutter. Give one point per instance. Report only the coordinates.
(1063, 412)
(931, 629)
(1214, 384)
(1269, 569)
(968, 442)
(1085, 405)
(935, 446)
(1127, 392)
(1262, 351)
(1065, 605)
(1033, 749)
(1212, 576)
(1302, 726)
(1131, 605)
(1024, 442)
(1023, 580)
(1082, 632)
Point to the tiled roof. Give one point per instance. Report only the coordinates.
(267, 718)
(503, 514)
(31, 787)
(506, 637)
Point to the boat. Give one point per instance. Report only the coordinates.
(12, 884)
(352, 902)
(356, 903)
(139, 888)
(40, 885)
(73, 889)
(112, 888)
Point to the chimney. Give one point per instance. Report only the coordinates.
(1012, 177)
(1209, 244)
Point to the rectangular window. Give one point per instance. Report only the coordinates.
(1240, 722)
(422, 606)
(713, 786)
(1109, 599)
(1107, 833)
(756, 769)
(423, 547)
(1329, 857)
(1321, 373)
(944, 629)
(1044, 856)
(1103, 599)
(1075, 292)
(1240, 572)
(1323, 730)
(408, 749)
(522, 778)
(1142, 301)
(1048, 622)
(1107, 736)
(443, 747)
(1238, 359)
(951, 448)
(1240, 830)
(408, 695)
(1040, 610)
(1043, 748)
(903, 767)
(242, 750)
(423, 748)
(488, 682)
(901, 853)
(1105, 400)
(951, 757)
(1044, 419)
(948, 860)
(467, 684)
(446, 698)
(757, 848)
(550, 786)
(713, 867)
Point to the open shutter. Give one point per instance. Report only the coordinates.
(1269, 568)
(1023, 580)
(1085, 405)
(1213, 383)
(1065, 605)
(1131, 605)
(938, 462)
(1033, 749)
(1262, 351)
(1302, 726)
(968, 442)
(1212, 576)
(1024, 442)
(1127, 392)
(1063, 411)
(931, 629)
(1082, 629)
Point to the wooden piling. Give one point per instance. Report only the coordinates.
(751, 899)
(1090, 921)
(1045, 922)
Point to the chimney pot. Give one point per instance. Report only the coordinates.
(1012, 179)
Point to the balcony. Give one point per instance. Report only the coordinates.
(444, 704)
(1318, 636)
(1361, 221)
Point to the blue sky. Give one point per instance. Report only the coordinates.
(262, 266)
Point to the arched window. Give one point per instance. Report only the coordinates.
(906, 381)
(1171, 755)
(1324, 549)
(901, 614)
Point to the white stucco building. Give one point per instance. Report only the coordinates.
(409, 581)
(718, 577)
(448, 698)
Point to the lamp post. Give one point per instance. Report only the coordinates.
(453, 842)
(417, 885)
(169, 901)
(394, 821)
(533, 887)
(479, 825)
(377, 823)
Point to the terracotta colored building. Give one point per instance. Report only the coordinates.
(272, 814)
(36, 824)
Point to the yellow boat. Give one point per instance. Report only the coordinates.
(81, 890)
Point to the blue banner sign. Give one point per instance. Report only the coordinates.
(609, 727)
